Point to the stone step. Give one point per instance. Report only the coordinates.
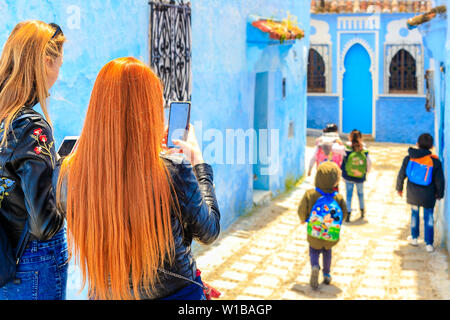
(261, 197)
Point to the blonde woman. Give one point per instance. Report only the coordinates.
(29, 66)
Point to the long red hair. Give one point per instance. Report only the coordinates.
(118, 192)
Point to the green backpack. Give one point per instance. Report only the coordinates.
(356, 165)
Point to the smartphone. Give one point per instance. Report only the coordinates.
(67, 146)
(179, 116)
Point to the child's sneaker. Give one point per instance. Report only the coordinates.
(327, 278)
(429, 248)
(314, 280)
(413, 241)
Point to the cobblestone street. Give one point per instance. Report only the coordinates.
(264, 255)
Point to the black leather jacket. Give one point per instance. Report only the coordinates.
(26, 167)
(200, 220)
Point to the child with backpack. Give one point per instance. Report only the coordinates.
(426, 183)
(355, 166)
(329, 147)
(324, 210)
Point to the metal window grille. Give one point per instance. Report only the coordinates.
(316, 72)
(170, 46)
(402, 69)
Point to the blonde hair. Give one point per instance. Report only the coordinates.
(23, 68)
(119, 195)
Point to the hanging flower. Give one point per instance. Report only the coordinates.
(42, 147)
(37, 132)
(287, 29)
(9, 182)
(6, 186)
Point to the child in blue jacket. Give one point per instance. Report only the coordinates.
(422, 195)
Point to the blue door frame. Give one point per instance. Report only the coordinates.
(261, 110)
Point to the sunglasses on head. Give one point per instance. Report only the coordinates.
(58, 30)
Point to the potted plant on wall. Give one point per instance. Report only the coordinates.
(286, 29)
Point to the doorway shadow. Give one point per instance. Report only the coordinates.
(356, 222)
(323, 292)
(418, 264)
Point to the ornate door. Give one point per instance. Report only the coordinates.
(170, 45)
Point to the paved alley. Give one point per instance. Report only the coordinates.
(264, 255)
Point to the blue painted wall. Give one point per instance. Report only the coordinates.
(437, 43)
(402, 120)
(227, 55)
(446, 133)
(96, 34)
(322, 109)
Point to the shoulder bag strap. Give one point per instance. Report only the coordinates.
(326, 194)
(181, 277)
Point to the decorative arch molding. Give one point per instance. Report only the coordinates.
(347, 47)
(320, 41)
(397, 32)
(398, 37)
(322, 32)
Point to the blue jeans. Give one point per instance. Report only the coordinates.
(314, 256)
(42, 271)
(428, 224)
(349, 191)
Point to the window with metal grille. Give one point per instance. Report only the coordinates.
(170, 47)
(316, 72)
(402, 70)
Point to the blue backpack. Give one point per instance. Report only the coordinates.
(325, 219)
(420, 170)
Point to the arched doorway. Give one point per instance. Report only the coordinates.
(357, 91)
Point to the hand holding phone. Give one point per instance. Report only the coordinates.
(190, 147)
(179, 116)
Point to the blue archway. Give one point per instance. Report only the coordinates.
(357, 91)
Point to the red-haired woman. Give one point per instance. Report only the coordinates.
(132, 212)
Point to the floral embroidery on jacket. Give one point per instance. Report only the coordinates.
(43, 147)
(6, 186)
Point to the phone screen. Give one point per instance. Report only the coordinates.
(178, 122)
(67, 146)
